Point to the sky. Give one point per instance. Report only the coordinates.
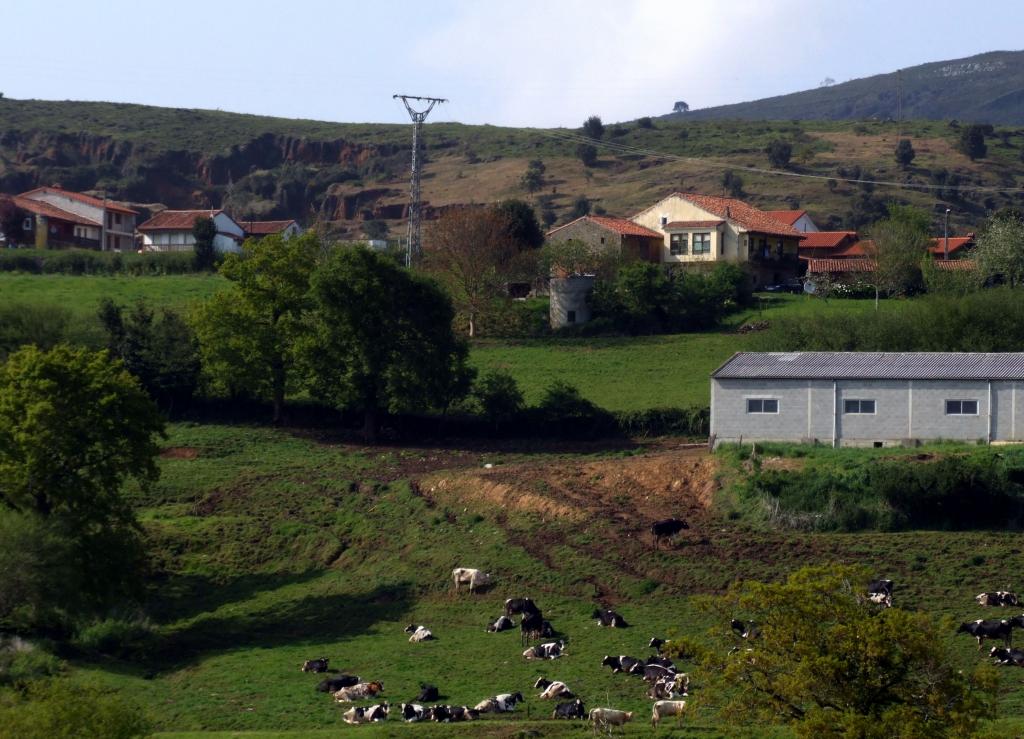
(525, 63)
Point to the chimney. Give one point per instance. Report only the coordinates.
(728, 213)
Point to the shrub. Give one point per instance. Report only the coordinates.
(22, 661)
(48, 709)
(664, 422)
(119, 637)
(564, 412)
(499, 397)
(25, 323)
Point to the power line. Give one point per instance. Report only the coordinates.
(569, 137)
(415, 210)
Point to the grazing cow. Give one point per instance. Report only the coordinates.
(745, 629)
(880, 592)
(574, 709)
(653, 673)
(428, 693)
(656, 644)
(531, 626)
(419, 633)
(666, 529)
(503, 623)
(607, 617)
(520, 606)
(315, 665)
(441, 714)
(603, 718)
(552, 689)
(998, 598)
(1007, 657)
(990, 629)
(463, 713)
(468, 576)
(663, 661)
(666, 708)
(413, 712)
(623, 663)
(336, 683)
(364, 715)
(504, 703)
(551, 650)
(359, 691)
(547, 631)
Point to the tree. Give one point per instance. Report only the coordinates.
(376, 230)
(587, 154)
(779, 152)
(204, 230)
(533, 178)
(471, 250)
(11, 220)
(1000, 249)
(499, 397)
(897, 246)
(829, 663)
(972, 141)
(248, 333)
(645, 122)
(593, 128)
(382, 339)
(580, 207)
(548, 216)
(905, 153)
(521, 224)
(681, 106)
(732, 183)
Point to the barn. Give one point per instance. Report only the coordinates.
(868, 398)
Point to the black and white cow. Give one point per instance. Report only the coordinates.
(1007, 657)
(531, 626)
(606, 617)
(653, 673)
(880, 592)
(666, 529)
(551, 650)
(419, 633)
(989, 629)
(336, 683)
(552, 689)
(659, 660)
(668, 688)
(520, 606)
(657, 644)
(463, 713)
(315, 665)
(502, 623)
(623, 663)
(413, 712)
(503, 703)
(574, 709)
(428, 693)
(998, 598)
(441, 714)
(364, 715)
(745, 629)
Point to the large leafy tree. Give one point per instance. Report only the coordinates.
(204, 230)
(248, 333)
(593, 127)
(829, 663)
(1000, 249)
(521, 224)
(905, 153)
(382, 339)
(779, 153)
(897, 246)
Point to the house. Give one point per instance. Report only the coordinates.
(46, 225)
(171, 230)
(65, 218)
(259, 229)
(868, 398)
(955, 247)
(703, 228)
(798, 219)
(618, 235)
(831, 245)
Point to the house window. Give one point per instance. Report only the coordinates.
(859, 406)
(664, 220)
(26, 225)
(602, 239)
(702, 243)
(762, 405)
(570, 316)
(961, 407)
(678, 244)
(778, 249)
(117, 220)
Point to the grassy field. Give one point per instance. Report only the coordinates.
(82, 293)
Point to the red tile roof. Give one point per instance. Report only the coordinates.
(789, 217)
(83, 198)
(176, 220)
(745, 216)
(264, 228)
(42, 208)
(840, 265)
(954, 265)
(692, 224)
(618, 225)
(827, 239)
(955, 243)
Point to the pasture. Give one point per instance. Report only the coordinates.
(272, 546)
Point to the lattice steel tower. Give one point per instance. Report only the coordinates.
(415, 213)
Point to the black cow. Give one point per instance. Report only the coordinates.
(315, 665)
(658, 660)
(547, 631)
(1007, 657)
(574, 709)
(623, 663)
(334, 684)
(428, 693)
(657, 643)
(463, 713)
(502, 623)
(991, 629)
(531, 626)
(607, 617)
(411, 712)
(441, 714)
(745, 629)
(666, 529)
(515, 606)
(653, 673)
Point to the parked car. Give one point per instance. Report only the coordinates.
(792, 285)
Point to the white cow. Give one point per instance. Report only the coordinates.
(468, 576)
(666, 708)
(550, 650)
(552, 689)
(419, 633)
(357, 715)
(602, 718)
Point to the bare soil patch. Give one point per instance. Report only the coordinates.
(179, 452)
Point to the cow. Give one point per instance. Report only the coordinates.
(606, 617)
(413, 712)
(604, 718)
(504, 703)
(666, 529)
(419, 633)
(520, 606)
(623, 663)
(880, 592)
(359, 691)
(998, 598)
(315, 665)
(428, 693)
(547, 631)
(659, 660)
(666, 708)
(552, 689)
(441, 714)
(990, 629)
(468, 576)
(531, 626)
(364, 715)
(668, 688)
(575, 709)
(463, 713)
(336, 683)
(745, 629)
(881, 599)
(502, 623)
(1007, 657)
(656, 644)
(653, 673)
(551, 650)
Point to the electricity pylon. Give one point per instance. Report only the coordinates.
(412, 250)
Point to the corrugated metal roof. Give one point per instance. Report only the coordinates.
(874, 366)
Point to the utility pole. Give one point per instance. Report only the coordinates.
(899, 105)
(412, 250)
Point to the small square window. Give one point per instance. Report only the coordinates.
(859, 406)
(664, 220)
(961, 407)
(762, 405)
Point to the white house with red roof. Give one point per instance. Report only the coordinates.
(171, 230)
(705, 228)
(66, 218)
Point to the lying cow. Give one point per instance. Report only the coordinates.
(413, 712)
(603, 718)
(441, 714)
(551, 650)
(1007, 657)
(989, 629)
(364, 715)
(504, 703)
(880, 592)
(428, 693)
(623, 663)
(336, 683)
(998, 598)
(610, 618)
(661, 709)
(467, 576)
(653, 673)
(502, 623)
(663, 661)
(462, 713)
(520, 607)
(668, 688)
(745, 629)
(419, 633)
(315, 665)
(359, 692)
(574, 709)
(552, 689)
(666, 529)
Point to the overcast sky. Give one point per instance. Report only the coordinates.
(528, 62)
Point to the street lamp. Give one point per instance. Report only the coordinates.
(945, 237)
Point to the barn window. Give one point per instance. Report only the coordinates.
(961, 407)
(859, 406)
(678, 244)
(762, 405)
